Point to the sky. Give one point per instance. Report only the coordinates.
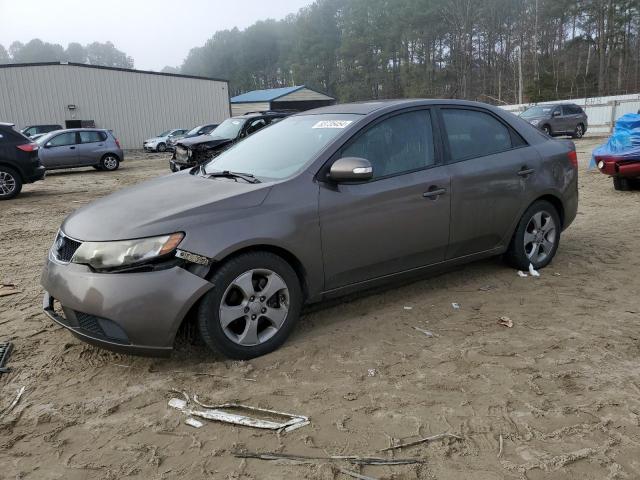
(155, 33)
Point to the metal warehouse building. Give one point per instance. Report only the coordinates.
(288, 98)
(135, 104)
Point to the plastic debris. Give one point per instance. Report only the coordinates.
(506, 322)
(456, 306)
(15, 401)
(533, 271)
(522, 274)
(408, 308)
(426, 332)
(217, 413)
(192, 422)
(372, 372)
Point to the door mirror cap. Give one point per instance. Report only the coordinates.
(47, 145)
(351, 169)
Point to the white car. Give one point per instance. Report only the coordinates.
(159, 142)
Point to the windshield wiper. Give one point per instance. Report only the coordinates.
(227, 174)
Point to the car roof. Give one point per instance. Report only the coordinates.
(365, 108)
(7, 124)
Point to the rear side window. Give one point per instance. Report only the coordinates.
(63, 139)
(400, 144)
(571, 110)
(472, 134)
(92, 137)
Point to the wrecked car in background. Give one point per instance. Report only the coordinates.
(620, 156)
(190, 152)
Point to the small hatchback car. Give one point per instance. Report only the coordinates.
(320, 204)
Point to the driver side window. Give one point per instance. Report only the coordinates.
(400, 144)
(63, 139)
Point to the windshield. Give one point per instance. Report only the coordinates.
(193, 131)
(282, 149)
(540, 111)
(228, 129)
(164, 134)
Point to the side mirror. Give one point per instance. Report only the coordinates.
(556, 113)
(47, 145)
(351, 169)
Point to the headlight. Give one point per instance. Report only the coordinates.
(535, 122)
(600, 164)
(105, 255)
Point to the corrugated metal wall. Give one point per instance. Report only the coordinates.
(135, 105)
(242, 108)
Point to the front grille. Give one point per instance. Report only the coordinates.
(65, 247)
(89, 323)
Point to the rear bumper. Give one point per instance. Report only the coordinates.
(136, 313)
(37, 174)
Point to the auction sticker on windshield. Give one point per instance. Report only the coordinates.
(332, 124)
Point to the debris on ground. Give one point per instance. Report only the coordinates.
(355, 475)
(432, 438)
(505, 322)
(192, 422)
(500, 447)
(221, 413)
(372, 372)
(355, 460)
(14, 403)
(456, 306)
(8, 289)
(408, 308)
(533, 271)
(5, 352)
(521, 274)
(426, 332)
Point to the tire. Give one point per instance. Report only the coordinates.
(622, 184)
(579, 131)
(109, 162)
(248, 333)
(531, 244)
(173, 167)
(10, 183)
(161, 147)
(546, 129)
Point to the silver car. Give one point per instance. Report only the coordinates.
(159, 142)
(80, 147)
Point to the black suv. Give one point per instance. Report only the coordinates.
(19, 162)
(190, 152)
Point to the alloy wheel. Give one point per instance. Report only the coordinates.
(579, 131)
(7, 183)
(110, 162)
(254, 307)
(540, 237)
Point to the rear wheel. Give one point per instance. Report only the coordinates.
(10, 183)
(536, 238)
(621, 183)
(109, 162)
(253, 308)
(579, 131)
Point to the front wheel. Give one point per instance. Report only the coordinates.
(253, 308)
(162, 147)
(546, 129)
(622, 184)
(10, 183)
(109, 163)
(536, 238)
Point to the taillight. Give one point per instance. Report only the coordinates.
(118, 143)
(28, 147)
(573, 158)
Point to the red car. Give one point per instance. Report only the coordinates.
(624, 171)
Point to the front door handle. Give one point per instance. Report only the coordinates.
(434, 192)
(526, 172)
(72, 148)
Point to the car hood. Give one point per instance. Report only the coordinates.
(164, 205)
(204, 141)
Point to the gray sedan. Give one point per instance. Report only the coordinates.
(320, 204)
(80, 147)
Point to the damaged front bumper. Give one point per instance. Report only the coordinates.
(135, 313)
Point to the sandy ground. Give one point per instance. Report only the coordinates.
(562, 387)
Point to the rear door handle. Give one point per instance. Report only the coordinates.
(436, 192)
(526, 172)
